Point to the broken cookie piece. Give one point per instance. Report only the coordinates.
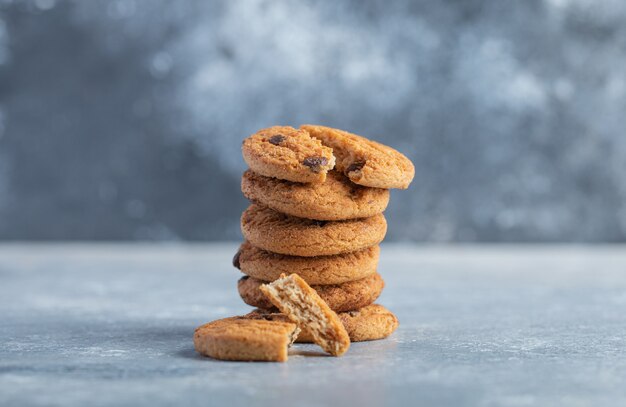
(246, 339)
(296, 299)
(364, 161)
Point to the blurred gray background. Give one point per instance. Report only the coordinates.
(124, 119)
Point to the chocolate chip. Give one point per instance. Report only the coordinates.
(277, 139)
(355, 166)
(244, 278)
(315, 163)
(236, 259)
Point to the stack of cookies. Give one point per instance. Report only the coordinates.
(318, 196)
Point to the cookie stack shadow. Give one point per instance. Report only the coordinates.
(327, 231)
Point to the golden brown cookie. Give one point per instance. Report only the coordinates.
(287, 153)
(241, 338)
(337, 198)
(296, 299)
(339, 297)
(279, 233)
(321, 270)
(364, 161)
(365, 324)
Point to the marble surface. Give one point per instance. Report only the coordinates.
(480, 325)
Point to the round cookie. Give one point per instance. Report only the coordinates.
(339, 297)
(321, 270)
(284, 234)
(337, 198)
(242, 338)
(364, 161)
(365, 324)
(287, 153)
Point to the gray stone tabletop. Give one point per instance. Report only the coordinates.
(480, 325)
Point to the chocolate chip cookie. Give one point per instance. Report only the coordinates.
(365, 324)
(287, 153)
(321, 270)
(347, 296)
(296, 299)
(279, 233)
(243, 338)
(364, 161)
(337, 198)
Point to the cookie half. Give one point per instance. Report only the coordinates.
(337, 198)
(366, 324)
(287, 153)
(279, 233)
(339, 297)
(241, 338)
(364, 161)
(296, 299)
(321, 270)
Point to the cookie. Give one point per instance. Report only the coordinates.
(337, 198)
(287, 153)
(365, 324)
(296, 299)
(241, 338)
(279, 233)
(364, 161)
(321, 270)
(339, 297)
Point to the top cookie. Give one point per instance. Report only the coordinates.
(287, 153)
(364, 161)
